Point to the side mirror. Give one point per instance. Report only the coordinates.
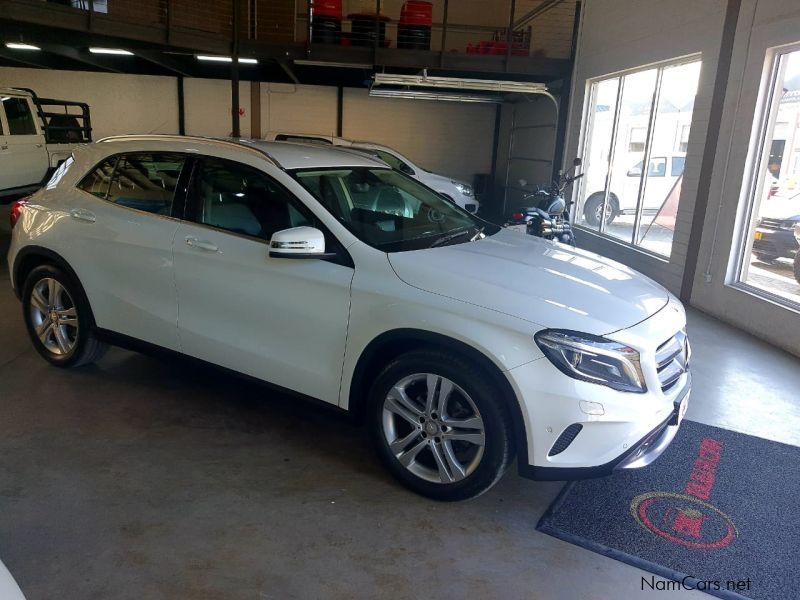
(298, 242)
(577, 162)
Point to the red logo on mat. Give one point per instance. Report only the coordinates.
(688, 519)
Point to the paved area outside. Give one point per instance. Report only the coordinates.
(142, 477)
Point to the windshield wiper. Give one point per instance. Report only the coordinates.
(454, 236)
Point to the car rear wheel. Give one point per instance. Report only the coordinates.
(593, 209)
(58, 318)
(437, 426)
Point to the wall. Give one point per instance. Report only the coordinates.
(120, 103)
(449, 138)
(763, 24)
(616, 35)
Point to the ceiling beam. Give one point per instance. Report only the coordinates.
(162, 60)
(83, 56)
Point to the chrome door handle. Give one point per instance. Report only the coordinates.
(82, 214)
(193, 242)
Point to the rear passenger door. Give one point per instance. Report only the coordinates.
(280, 320)
(22, 148)
(122, 213)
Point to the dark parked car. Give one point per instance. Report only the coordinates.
(774, 238)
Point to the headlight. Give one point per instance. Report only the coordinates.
(465, 189)
(593, 359)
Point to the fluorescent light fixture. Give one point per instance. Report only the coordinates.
(459, 83)
(439, 96)
(118, 51)
(227, 59)
(20, 46)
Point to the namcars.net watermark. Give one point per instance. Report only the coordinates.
(658, 584)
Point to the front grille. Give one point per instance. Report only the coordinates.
(565, 439)
(672, 360)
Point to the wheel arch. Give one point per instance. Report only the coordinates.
(30, 257)
(391, 344)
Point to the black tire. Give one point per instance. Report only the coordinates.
(797, 266)
(84, 347)
(486, 468)
(592, 205)
(766, 258)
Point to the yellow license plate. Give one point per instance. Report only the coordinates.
(758, 235)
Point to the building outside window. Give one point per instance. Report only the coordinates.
(639, 117)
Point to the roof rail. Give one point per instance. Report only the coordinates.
(195, 138)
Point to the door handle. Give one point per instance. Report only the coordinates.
(4, 147)
(82, 214)
(38, 145)
(193, 242)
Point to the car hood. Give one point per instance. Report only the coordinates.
(549, 284)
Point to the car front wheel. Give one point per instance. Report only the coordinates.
(438, 426)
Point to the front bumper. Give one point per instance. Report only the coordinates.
(775, 242)
(576, 429)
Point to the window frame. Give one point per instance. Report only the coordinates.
(179, 199)
(192, 199)
(761, 138)
(31, 112)
(579, 193)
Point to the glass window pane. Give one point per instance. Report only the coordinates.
(597, 151)
(146, 181)
(671, 129)
(96, 182)
(634, 114)
(243, 200)
(771, 261)
(18, 114)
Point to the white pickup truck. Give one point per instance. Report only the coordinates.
(36, 135)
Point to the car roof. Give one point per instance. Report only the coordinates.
(286, 155)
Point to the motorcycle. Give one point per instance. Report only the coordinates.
(549, 215)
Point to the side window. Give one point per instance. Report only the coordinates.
(96, 181)
(658, 167)
(678, 162)
(146, 181)
(19, 117)
(240, 199)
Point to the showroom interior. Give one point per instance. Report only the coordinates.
(151, 475)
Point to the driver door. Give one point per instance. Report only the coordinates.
(280, 320)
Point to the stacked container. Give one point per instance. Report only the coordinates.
(414, 29)
(326, 25)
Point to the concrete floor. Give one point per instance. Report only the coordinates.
(145, 478)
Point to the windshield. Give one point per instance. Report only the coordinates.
(389, 210)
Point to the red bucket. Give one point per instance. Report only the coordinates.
(416, 12)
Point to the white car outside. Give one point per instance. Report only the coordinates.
(459, 343)
(459, 192)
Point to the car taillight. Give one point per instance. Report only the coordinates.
(16, 211)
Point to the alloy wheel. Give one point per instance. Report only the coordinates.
(54, 316)
(433, 428)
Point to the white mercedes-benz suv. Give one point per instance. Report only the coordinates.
(324, 272)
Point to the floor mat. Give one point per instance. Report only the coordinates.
(718, 512)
